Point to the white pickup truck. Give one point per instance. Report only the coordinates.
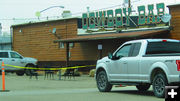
(13, 58)
(141, 63)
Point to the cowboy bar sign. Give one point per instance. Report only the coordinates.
(121, 17)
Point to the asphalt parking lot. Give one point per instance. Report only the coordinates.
(83, 88)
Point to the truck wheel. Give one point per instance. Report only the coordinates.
(102, 82)
(143, 87)
(20, 73)
(159, 83)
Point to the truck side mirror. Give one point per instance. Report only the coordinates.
(21, 57)
(110, 56)
(114, 57)
(119, 57)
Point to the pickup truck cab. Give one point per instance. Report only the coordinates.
(13, 58)
(141, 63)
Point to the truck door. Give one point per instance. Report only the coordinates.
(16, 59)
(133, 63)
(118, 67)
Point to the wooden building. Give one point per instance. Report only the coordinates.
(57, 42)
(36, 40)
(175, 21)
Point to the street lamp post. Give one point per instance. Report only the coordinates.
(38, 13)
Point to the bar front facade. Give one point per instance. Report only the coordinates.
(57, 42)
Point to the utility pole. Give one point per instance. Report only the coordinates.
(129, 3)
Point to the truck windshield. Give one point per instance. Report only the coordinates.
(163, 47)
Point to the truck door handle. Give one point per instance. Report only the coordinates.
(107, 61)
(12, 60)
(124, 62)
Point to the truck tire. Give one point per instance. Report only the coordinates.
(102, 82)
(143, 87)
(27, 71)
(20, 73)
(159, 83)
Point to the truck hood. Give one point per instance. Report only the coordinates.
(30, 59)
(103, 59)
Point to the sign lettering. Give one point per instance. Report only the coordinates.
(121, 17)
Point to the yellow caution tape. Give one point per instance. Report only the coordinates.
(49, 68)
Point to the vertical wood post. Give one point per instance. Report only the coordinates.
(100, 54)
(67, 54)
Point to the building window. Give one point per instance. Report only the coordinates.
(20, 31)
(54, 31)
(71, 45)
(61, 45)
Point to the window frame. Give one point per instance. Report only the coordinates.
(151, 50)
(132, 49)
(61, 45)
(20, 57)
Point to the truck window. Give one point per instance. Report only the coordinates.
(124, 51)
(15, 55)
(4, 55)
(135, 49)
(163, 47)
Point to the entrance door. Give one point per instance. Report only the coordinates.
(16, 59)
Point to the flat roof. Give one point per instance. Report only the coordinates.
(135, 34)
(33, 22)
(174, 4)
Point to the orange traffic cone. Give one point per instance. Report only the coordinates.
(3, 78)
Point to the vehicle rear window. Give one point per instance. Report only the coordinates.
(3, 54)
(163, 47)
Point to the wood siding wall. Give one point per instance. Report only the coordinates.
(88, 51)
(36, 40)
(175, 21)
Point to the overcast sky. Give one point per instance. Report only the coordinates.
(10, 9)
